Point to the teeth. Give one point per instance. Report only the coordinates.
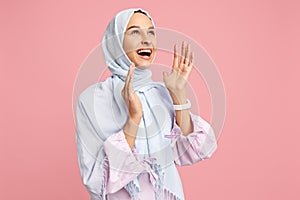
(144, 50)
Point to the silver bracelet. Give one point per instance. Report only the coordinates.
(183, 106)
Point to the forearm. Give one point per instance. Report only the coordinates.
(130, 130)
(183, 118)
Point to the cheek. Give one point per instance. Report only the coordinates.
(154, 42)
(125, 47)
(129, 45)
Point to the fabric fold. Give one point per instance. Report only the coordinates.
(198, 145)
(123, 165)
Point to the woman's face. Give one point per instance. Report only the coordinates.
(139, 41)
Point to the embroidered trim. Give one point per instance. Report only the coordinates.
(133, 188)
(104, 179)
(170, 196)
(159, 183)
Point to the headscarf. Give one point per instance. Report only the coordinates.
(112, 46)
(108, 114)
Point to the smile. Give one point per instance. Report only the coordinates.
(144, 53)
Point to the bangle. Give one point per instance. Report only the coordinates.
(183, 106)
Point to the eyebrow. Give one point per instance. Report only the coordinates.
(151, 27)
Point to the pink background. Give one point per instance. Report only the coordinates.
(254, 45)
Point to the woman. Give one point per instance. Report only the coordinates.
(131, 131)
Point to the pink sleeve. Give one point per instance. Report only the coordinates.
(198, 145)
(123, 167)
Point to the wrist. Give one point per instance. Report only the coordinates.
(182, 107)
(178, 97)
(135, 120)
(130, 130)
(131, 127)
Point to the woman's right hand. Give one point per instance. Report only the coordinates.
(131, 99)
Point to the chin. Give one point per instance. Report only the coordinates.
(143, 65)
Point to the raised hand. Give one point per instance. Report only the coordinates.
(131, 99)
(134, 106)
(176, 80)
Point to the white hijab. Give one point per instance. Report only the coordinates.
(158, 114)
(112, 46)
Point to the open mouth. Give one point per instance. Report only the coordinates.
(145, 53)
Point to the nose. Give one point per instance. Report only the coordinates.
(145, 39)
(145, 42)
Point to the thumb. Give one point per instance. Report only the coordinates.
(165, 74)
(132, 64)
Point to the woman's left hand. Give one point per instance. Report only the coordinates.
(176, 80)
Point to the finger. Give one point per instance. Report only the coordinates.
(124, 90)
(130, 83)
(191, 63)
(187, 55)
(182, 55)
(182, 51)
(128, 79)
(175, 60)
(128, 74)
(188, 66)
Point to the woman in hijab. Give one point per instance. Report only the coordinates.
(131, 131)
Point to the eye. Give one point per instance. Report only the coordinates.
(135, 32)
(152, 33)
